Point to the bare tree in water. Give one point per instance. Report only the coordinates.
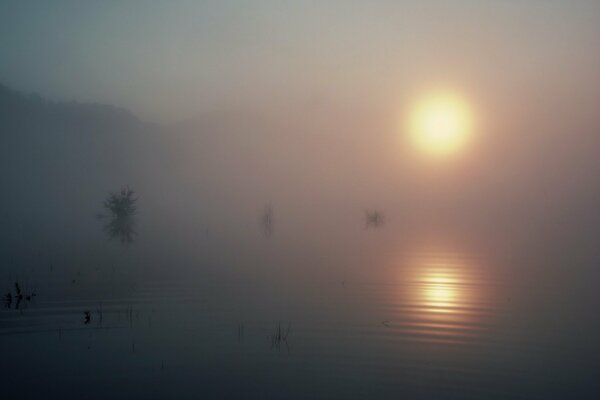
(121, 218)
(373, 219)
(266, 221)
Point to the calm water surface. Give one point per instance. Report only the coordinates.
(427, 324)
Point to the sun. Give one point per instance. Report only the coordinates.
(441, 124)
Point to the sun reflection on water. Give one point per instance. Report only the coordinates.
(441, 288)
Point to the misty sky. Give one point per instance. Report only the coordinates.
(178, 59)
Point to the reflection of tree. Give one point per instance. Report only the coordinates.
(122, 208)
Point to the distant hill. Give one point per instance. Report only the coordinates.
(16, 106)
(58, 159)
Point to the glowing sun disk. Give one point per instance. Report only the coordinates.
(440, 124)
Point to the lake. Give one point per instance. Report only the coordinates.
(380, 316)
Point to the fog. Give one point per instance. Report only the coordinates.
(276, 185)
(527, 179)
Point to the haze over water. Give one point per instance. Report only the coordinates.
(290, 234)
